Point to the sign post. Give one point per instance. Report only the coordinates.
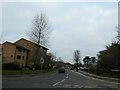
(41, 62)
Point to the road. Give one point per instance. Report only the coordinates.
(70, 79)
(0, 81)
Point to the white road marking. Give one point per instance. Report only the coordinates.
(76, 86)
(80, 87)
(59, 82)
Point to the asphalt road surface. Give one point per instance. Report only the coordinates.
(70, 79)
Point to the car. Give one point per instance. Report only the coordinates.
(79, 68)
(61, 70)
(71, 68)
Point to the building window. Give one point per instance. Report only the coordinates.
(23, 57)
(45, 51)
(23, 51)
(19, 50)
(11, 56)
(18, 57)
(27, 46)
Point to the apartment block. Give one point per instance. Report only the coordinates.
(12, 52)
(24, 52)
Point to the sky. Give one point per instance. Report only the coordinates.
(84, 26)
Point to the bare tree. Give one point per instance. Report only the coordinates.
(60, 59)
(118, 34)
(40, 30)
(39, 34)
(76, 58)
(53, 57)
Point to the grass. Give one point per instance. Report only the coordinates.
(25, 72)
(0, 72)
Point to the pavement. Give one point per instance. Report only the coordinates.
(109, 79)
(0, 82)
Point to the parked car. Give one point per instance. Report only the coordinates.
(61, 70)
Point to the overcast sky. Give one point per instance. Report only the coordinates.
(84, 26)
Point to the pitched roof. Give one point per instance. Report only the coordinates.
(7, 42)
(32, 42)
(18, 46)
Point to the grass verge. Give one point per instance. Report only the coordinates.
(25, 72)
(0, 72)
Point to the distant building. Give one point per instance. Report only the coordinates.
(23, 52)
(62, 64)
(0, 56)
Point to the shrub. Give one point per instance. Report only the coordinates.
(37, 67)
(10, 66)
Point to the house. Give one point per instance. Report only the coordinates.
(0, 56)
(36, 51)
(60, 63)
(68, 65)
(24, 52)
(14, 53)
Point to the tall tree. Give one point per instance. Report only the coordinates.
(109, 59)
(86, 61)
(76, 58)
(118, 36)
(52, 59)
(39, 34)
(40, 30)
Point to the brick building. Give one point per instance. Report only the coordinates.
(24, 52)
(12, 52)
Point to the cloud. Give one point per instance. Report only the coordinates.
(84, 29)
(84, 26)
(1, 23)
(24, 14)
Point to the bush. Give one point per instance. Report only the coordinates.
(37, 67)
(10, 66)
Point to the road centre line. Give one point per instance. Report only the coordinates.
(59, 82)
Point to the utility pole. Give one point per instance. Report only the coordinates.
(55, 57)
(41, 62)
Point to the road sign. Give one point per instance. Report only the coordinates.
(42, 60)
